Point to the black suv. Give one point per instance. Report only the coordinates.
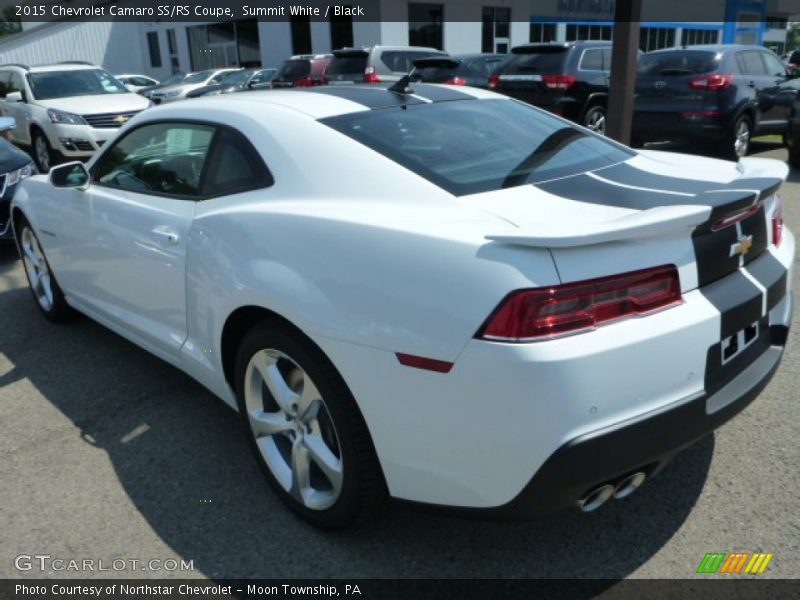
(567, 79)
(716, 95)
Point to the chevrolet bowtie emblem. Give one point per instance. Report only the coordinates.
(121, 119)
(742, 245)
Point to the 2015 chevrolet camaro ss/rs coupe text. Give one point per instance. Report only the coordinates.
(436, 294)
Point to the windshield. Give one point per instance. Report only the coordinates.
(173, 79)
(474, 146)
(83, 82)
(237, 77)
(682, 62)
(199, 77)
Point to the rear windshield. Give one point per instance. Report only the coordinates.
(294, 69)
(348, 65)
(682, 62)
(550, 61)
(473, 146)
(402, 61)
(435, 74)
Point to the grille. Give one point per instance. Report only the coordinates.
(83, 146)
(109, 120)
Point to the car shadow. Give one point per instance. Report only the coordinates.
(181, 457)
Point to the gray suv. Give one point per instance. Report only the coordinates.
(376, 64)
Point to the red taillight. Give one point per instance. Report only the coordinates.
(541, 313)
(711, 82)
(456, 81)
(777, 221)
(303, 82)
(370, 76)
(494, 81)
(559, 82)
(735, 218)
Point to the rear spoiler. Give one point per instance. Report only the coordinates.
(440, 62)
(350, 52)
(657, 221)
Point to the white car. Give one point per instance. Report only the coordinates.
(66, 110)
(135, 82)
(178, 91)
(436, 294)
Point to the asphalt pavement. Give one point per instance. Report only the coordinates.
(107, 453)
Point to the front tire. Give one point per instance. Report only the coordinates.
(305, 428)
(43, 285)
(43, 154)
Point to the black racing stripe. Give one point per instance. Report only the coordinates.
(630, 175)
(766, 185)
(588, 189)
(737, 299)
(372, 97)
(712, 254)
(725, 203)
(770, 273)
(436, 93)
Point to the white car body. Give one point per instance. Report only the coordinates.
(135, 82)
(370, 261)
(177, 92)
(102, 113)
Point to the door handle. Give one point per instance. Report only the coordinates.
(167, 235)
(751, 84)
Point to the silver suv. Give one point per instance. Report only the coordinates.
(376, 64)
(66, 110)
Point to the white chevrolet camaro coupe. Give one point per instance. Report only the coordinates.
(435, 294)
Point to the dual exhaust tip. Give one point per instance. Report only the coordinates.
(602, 494)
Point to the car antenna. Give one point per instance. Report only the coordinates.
(402, 86)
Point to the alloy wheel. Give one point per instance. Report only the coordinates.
(293, 429)
(742, 140)
(596, 121)
(37, 269)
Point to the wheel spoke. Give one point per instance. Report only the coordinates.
(30, 254)
(309, 400)
(300, 470)
(328, 463)
(268, 369)
(266, 423)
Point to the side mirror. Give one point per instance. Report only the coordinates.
(7, 124)
(14, 97)
(69, 175)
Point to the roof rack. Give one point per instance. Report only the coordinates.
(74, 62)
(20, 65)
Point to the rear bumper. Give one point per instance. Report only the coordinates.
(659, 126)
(646, 443)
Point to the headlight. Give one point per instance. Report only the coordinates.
(65, 118)
(15, 176)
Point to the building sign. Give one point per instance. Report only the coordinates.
(587, 7)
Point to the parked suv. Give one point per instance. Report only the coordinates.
(462, 69)
(15, 166)
(376, 64)
(65, 110)
(302, 70)
(718, 96)
(568, 79)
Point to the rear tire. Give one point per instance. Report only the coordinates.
(595, 119)
(41, 280)
(43, 154)
(305, 429)
(738, 143)
(790, 139)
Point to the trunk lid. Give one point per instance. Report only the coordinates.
(664, 80)
(347, 67)
(646, 212)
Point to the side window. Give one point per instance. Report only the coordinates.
(235, 166)
(591, 60)
(161, 158)
(774, 66)
(607, 59)
(259, 77)
(750, 63)
(15, 83)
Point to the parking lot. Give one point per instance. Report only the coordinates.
(107, 453)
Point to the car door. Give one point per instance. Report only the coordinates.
(123, 240)
(761, 87)
(782, 91)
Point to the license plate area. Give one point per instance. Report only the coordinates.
(735, 344)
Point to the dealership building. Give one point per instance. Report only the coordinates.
(158, 48)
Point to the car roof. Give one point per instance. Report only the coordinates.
(329, 101)
(64, 66)
(713, 48)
